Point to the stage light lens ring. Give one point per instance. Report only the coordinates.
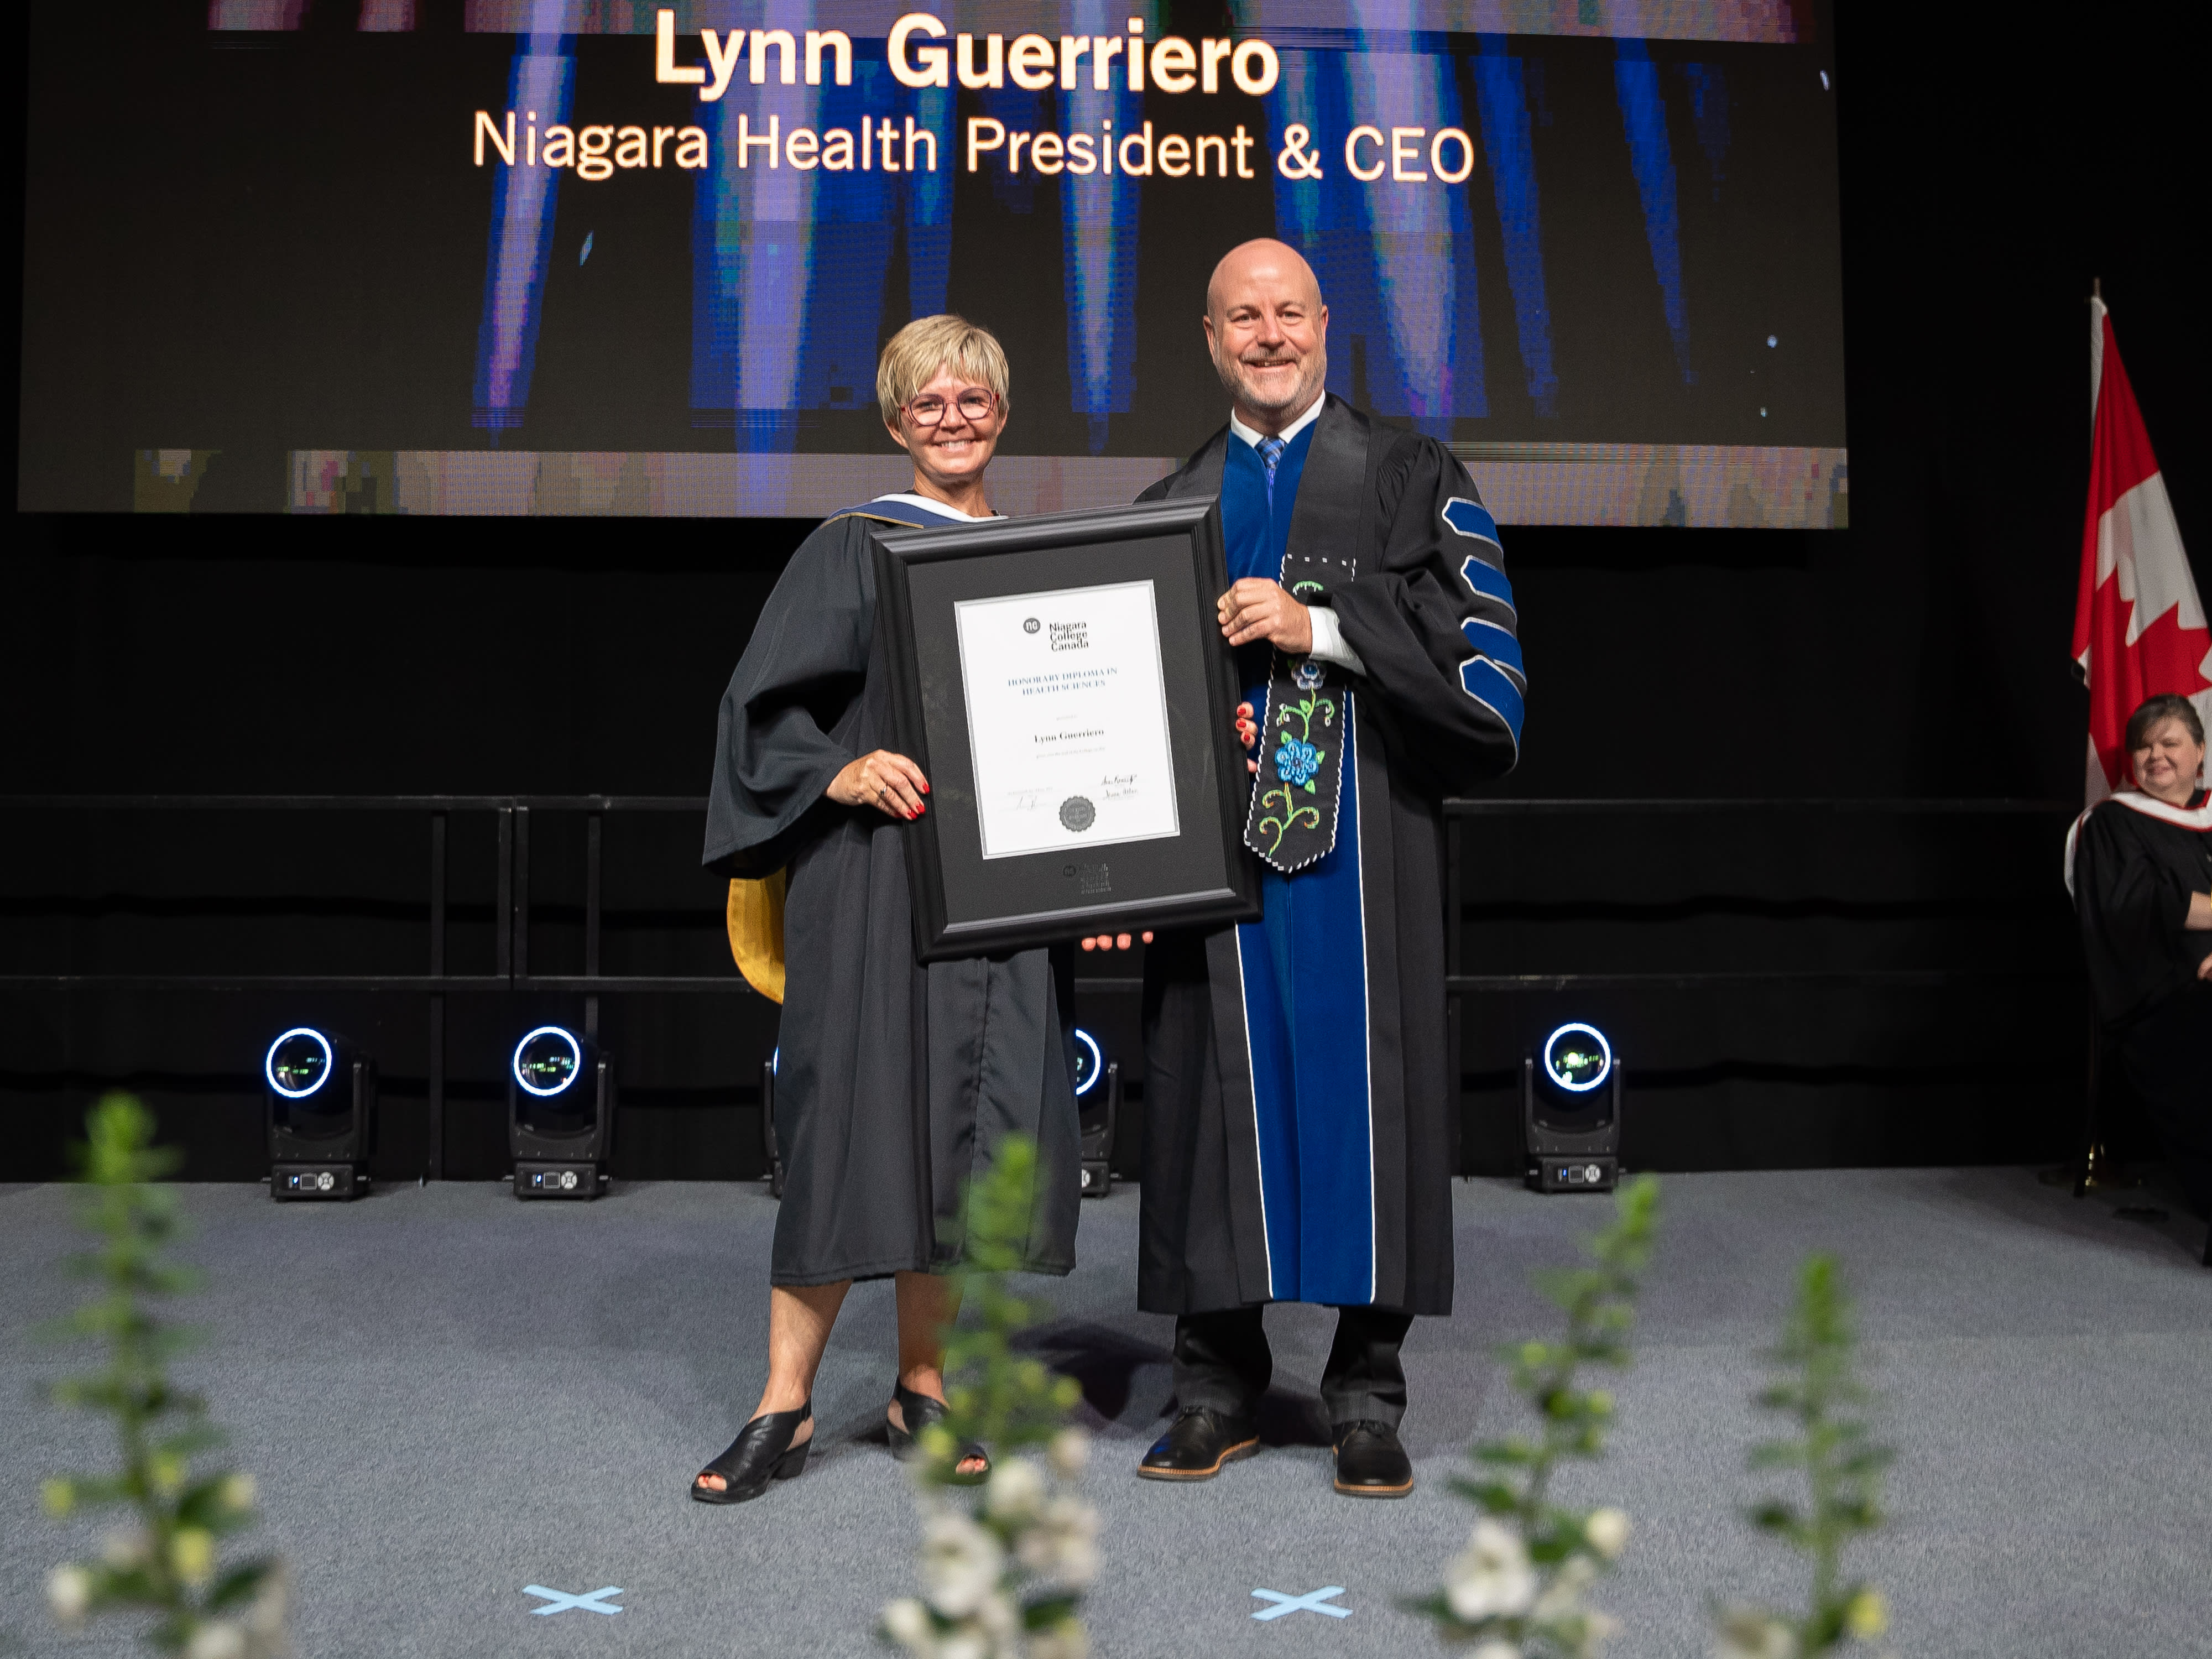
(575, 1060)
(1086, 1078)
(1577, 1071)
(322, 1074)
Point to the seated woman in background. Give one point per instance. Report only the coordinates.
(2140, 868)
(894, 1082)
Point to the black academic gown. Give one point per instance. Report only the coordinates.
(2132, 874)
(1429, 612)
(894, 1081)
(2133, 871)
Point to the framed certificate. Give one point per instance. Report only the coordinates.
(1062, 683)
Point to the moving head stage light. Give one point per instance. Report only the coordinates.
(1098, 1110)
(560, 1115)
(1570, 1117)
(321, 1107)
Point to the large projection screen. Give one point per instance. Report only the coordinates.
(469, 257)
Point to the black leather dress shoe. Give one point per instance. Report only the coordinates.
(1197, 1444)
(1369, 1462)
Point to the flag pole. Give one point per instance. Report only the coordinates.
(2094, 1170)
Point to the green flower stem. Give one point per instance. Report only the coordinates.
(993, 1395)
(170, 1567)
(1598, 1302)
(1821, 1393)
(1006, 1401)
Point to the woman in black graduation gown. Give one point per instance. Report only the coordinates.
(894, 1081)
(2142, 872)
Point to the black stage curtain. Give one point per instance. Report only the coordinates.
(1990, 170)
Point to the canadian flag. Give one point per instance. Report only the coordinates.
(2139, 628)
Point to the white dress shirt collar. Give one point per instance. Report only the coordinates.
(1251, 437)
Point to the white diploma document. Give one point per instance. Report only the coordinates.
(1067, 719)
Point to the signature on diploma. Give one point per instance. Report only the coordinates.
(1118, 785)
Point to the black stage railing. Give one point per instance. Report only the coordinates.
(1459, 983)
(511, 913)
(512, 910)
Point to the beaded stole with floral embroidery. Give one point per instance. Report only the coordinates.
(1292, 821)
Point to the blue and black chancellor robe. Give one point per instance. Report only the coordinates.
(1298, 1097)
(894, 1082)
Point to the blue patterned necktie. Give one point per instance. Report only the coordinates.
(1271, 454)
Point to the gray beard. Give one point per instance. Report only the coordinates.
(1298, 397)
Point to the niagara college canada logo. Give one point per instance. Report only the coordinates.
(1031, 625)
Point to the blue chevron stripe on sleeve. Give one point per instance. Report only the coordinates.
(1488, 685)
(1487, 581)
(1499, 645)
(1472, 520)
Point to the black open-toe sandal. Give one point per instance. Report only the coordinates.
(919, 1412)
(762, 1452)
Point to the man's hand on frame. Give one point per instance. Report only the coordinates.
(1256, 608)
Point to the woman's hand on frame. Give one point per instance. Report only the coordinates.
(1248, 734)
(1112, 941)
(891, 783)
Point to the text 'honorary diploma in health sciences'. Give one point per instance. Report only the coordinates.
(1067, 719)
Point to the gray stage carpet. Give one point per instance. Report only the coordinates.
(448, 1395)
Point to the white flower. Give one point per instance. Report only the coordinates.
(1065, 1640)
(1607, 1532)
(125, 1547)
(1747, 1633)
(960, 1564)
(238, 1491)
(1496, 1650)
(265, 1618)
(906, 1621)
(965, 1645)
(1062, 1543)
(191, 1552)
(1868, 1616)
(69, 1593)
(1597, 1630)
(1069, 1451)
(999, 1620)
(218, 1639)
(1563, 1597)
(1491, 1577)
(1017, 1488)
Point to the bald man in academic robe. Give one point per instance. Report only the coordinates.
(1299, 1096)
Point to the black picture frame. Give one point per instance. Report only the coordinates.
(1201, 875)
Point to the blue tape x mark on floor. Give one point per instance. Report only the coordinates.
(1310, 1602)
(560, 1600)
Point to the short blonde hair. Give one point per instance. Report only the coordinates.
(927, 345)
